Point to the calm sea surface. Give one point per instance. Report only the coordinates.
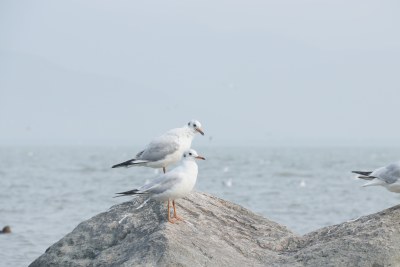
(46, 191)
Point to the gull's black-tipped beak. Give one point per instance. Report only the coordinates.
(200, 131)
(200, 157)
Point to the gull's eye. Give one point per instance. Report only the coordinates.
(194, 125)
(189, 123)
(190, 154)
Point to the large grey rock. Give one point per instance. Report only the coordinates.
(219, 233)
(372, 240)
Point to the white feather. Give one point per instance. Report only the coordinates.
(374, 182)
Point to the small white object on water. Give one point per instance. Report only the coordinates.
(228, 183)
(303, 183)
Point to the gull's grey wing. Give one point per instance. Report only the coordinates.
(152, 183)
(389, 174)
(159, 148)
(161, 185)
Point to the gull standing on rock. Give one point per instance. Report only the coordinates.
(388, 177)
(172, 185)
(167, 148)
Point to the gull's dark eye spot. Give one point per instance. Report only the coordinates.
(189, 123)
(190, 154)
(194, 125)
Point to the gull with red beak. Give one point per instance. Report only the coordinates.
(166, 149)
(172, 185)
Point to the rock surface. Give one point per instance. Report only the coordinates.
(219, 233)
(372, 240)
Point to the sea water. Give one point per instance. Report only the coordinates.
(47, 191)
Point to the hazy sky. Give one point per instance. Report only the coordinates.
(253, 72)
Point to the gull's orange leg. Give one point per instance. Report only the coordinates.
(169, 215)
(175, 215)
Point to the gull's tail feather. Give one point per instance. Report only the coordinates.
(129, 193)
(374, 182)
(366, 177)
(130, 163)
(362, 173)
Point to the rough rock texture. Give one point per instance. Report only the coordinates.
(372, 240)
(219, 233)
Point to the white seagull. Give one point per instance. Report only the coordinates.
(165, 149)
(172, 185)
(388, 177)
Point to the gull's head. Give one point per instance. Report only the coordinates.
(195, 126)
(192, 154)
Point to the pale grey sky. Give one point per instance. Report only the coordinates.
(253, 72)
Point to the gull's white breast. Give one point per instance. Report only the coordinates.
(395, 187)
(187, 174)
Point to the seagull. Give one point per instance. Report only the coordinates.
(388, 176)
(176, 183)
(166, 149)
